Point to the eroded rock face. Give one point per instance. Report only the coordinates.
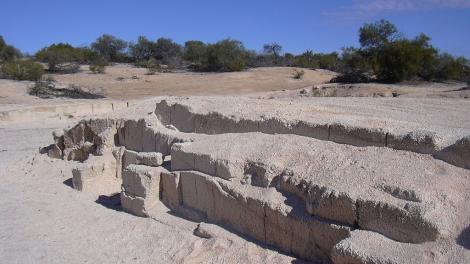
(457, 154)
(140, 188)
(228, 115)
(285, 183)
(88, 137)
(349, 185)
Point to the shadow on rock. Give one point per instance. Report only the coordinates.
(68, 182)
(464, 238)
(111, 202)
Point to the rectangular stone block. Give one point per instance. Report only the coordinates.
(131, 135)
(153, 159)
(188, 189)
(181, 160)
(142, 181)
(136, 205)
(171, 190)
(148, 140)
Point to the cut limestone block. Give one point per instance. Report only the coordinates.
(261, 213)
(170, 189)
(400, 194)
(142, 181)
(140, 188)
(417, 125)
(97, 172)
(153, 159)
(136, 205)
(131, 134)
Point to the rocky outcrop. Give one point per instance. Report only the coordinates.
(283, 187)
(188, 116)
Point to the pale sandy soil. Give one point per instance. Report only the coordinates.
(190, 83)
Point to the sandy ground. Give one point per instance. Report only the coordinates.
(126, 82)
(118, 81)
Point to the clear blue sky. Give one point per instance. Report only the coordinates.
(297, 25)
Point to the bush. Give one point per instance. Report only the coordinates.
(306, 60)
(225, 56)
(143, 50)
(406, 59)
(8, 52)
(152, 66)
(59, 57)
(298, 74)
(98, 67)
(22, 70)
(110, 48)
(351, 77)
(195, 52)
(168, 52)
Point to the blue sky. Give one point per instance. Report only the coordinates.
(321, 26)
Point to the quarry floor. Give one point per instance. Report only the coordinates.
(44, 220)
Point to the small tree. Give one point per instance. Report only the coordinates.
(404, 59)
(57, 54)
(378, 34)
(8, 52)
(225, 55)
(110, 48)
(273, 49)
(168, 52)
(195, 51)
(152, 66)
(143, 50)
(306, 60)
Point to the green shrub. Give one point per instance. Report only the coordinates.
(152, 66)
(195, 52)
(406, 59)
(351, 77)
(57, 56)
(143, 50)
(306, 60)
(168, 52)
(98, 67)
(225, 56)
(87, 55)
(110, 48)
(378, 34)
(8, 52)
(22, 70)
